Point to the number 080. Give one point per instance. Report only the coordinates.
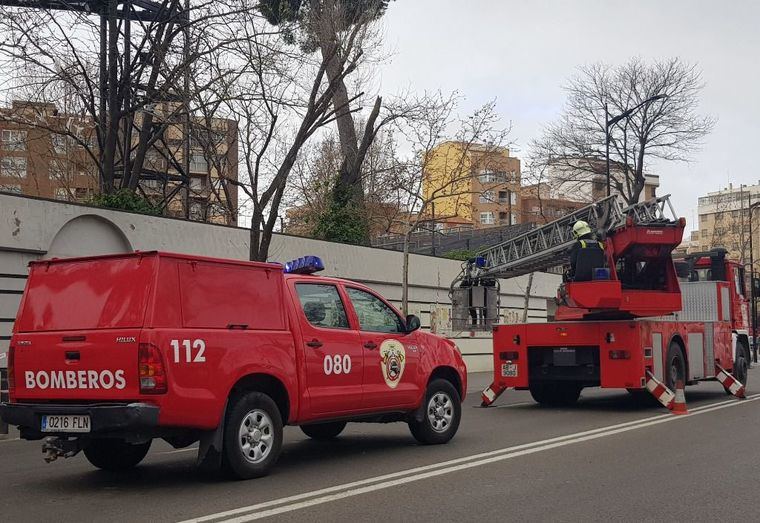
(337, 364)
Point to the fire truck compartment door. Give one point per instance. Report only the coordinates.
(657, 354)
(696, 348)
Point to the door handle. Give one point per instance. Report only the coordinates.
(370, 345)
(315, 343)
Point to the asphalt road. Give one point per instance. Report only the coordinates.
(608, 458)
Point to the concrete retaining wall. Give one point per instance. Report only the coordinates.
(32, 228)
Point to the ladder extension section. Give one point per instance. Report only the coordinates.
(547, 246)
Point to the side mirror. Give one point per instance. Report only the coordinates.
(412, 323)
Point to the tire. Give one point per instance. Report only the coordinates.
(324, 431)
(115, 454)
(252, 436)
(442, 414)
(741, 365)
(555, 394)
(675, 366)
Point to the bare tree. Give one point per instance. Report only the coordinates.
(132, 97)
(669, 128)
(280, 97)
(321, 25)
(433, 174)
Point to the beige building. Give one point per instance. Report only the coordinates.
(585, 180)
(724, 221)
(38, 161)
(475, 185)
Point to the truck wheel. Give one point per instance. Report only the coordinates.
(443, 411)
(675, 366)
(741, 365)
(323, 431)
(252, 436)
(555, 394)
(115, 454)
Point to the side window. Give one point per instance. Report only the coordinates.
(374, 315)
(322, 305)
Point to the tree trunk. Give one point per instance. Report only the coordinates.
(405, 278)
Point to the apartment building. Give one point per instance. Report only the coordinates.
(724, 221)
(539, 206)
(48, 153)
(472, 185)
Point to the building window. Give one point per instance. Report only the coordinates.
(492, 177)
(11, 188)
(14, 140)
(198, 163)
(62, 193)
(514, 218)
(59, 143)
(486, 218)
(513, 198)
(487, 177)
(13, 166)
(196, 211)
(197, 183)
(82, 193)
(486, 197)
(703, 218)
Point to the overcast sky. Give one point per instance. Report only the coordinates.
(521, 53)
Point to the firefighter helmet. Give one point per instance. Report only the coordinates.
(581, 228)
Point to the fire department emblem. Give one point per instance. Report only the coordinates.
(392, 361)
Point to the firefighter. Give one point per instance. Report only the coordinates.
(582, 264)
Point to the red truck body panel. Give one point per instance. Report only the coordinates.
(82, 323)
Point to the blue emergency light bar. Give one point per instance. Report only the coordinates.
(304, 265)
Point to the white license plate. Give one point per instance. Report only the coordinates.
(509, 370)
(65, 423)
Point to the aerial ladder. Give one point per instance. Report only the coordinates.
(475, 291)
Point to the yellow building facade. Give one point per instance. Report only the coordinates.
(473, 185)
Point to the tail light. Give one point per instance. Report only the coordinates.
(620, 355)
(11, 373)
(151, 370)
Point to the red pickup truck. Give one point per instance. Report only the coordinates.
(110, 352)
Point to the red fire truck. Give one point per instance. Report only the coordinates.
(111, 352)
(641, 321)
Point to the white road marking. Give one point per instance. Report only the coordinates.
(326, 495)
(9, 440)
(513, 405)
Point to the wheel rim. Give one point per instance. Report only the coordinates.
(256, 436)
(440, 411)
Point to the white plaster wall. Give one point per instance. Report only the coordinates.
(31, 228)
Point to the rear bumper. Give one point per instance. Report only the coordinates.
(104, 419)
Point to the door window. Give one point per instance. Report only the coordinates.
(374, 315)
(322, 306)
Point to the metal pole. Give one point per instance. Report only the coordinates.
(186, 88)
(753, 305)
(607, 144)
(127, 71)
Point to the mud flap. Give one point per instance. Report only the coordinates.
(211, 446)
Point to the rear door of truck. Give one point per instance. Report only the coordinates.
(78, 328)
